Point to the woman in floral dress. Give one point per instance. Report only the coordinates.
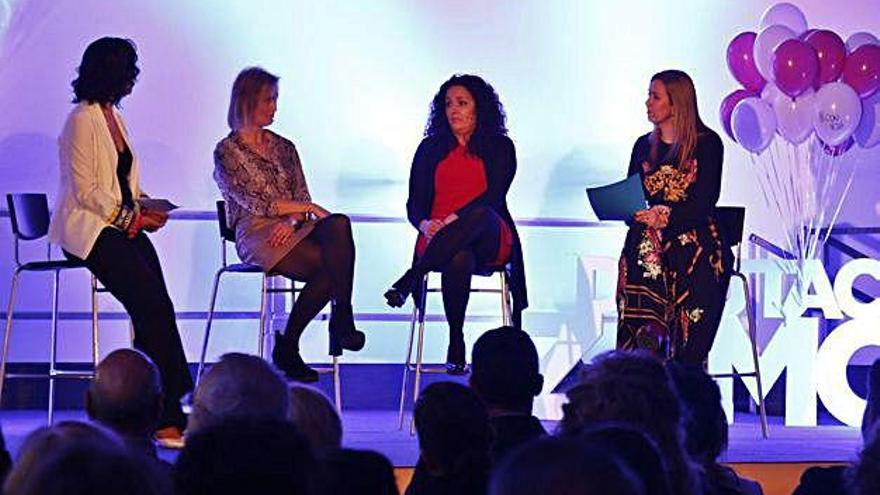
(675, 266)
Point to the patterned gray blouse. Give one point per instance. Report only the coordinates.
(250, 184)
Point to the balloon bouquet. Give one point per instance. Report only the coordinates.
(820, 96)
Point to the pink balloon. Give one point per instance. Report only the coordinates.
(807, 33)
(795, 67)
(727, 106)
(831, 52)
(862, 70)
(741, 62)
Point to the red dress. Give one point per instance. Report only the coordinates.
(461, 177)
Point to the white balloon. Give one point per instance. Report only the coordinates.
(753, 123)
(837, 110)
(784, 14)
(765, 45)
(794, 117)
(868, 132)
(856, 40)
(771, 93)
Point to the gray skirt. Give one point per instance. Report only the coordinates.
(252, 235)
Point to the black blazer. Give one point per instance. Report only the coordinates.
(499, 159)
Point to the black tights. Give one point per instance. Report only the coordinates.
(457, 251)
(324, 260)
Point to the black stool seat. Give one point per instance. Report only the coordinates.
(48, 266)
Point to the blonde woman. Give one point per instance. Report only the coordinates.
(675, 267)
(277, 225)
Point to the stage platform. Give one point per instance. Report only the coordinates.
(776, 462)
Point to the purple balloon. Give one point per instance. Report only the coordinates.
(806, 33)
(862, 70)
(741, 61)
(856, 40)
(837, 150)
(831, 52)
(728, 104)
(795, 67)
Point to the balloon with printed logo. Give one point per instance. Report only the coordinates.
(784, 14)
(831, 53)
(839, 149)
(836, 113)
(728, 104)
(741, 61)
(856, 40)
(754, 124)
(795, 67)
(794, 117)
(867, 134)
(765, 46)
(862, 70)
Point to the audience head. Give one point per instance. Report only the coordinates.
(505, 372)
(126, 394)
(316, 417)
(705, 423)
(563, 466)
(362, 472)
(863, 477)
(453, 430)
(5, 459)
(490, 117)
(245, 455)
(633, 448)
(238, 386)
(250, 86)
(107, 72)
(633, 388)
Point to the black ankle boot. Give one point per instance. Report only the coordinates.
(398, 293)
(285, 356)
(342, 328)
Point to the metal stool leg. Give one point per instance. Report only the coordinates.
(337, 386)
(407, 363)
(208, 325)
(6, 336)
(262, 333)
(753, 338)
(505, 300)
(53, 347)
(96, 351)
(419, 350)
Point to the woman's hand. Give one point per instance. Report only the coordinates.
(281, 235)
(429, 228)
(318, 211)
(153, 220)
(289, 207)
(137, 223)
(656, 216)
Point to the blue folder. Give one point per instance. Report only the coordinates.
(618, 201)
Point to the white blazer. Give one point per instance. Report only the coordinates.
(89, 197)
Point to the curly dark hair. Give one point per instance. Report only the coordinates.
(633, 388)
(107, 72)
(491, 119)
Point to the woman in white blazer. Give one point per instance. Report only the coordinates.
(97, 218)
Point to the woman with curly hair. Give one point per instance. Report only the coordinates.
(634, 389)
(675, 267)
(458, 186)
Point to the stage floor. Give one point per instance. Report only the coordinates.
(377, 430)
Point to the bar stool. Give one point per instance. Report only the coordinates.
(29, 215)
(418, 315)
(268, 287)
(731, 220)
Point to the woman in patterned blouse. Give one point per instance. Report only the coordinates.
(277, 226)
(675, 268)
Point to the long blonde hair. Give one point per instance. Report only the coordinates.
(685, 116)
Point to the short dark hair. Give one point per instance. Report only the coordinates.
(505, 370)
(107, 71)
(563, 466)
(634, 448)
(246, 455)
(347, 471)
(126, 394)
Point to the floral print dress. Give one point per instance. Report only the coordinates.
(672, 282)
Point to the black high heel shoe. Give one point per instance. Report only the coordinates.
(343, 330)
(285, 357)
(397, 295)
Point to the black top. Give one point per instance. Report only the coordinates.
(123, 170)
(689, 192)
(511, 431)
(499, 161)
